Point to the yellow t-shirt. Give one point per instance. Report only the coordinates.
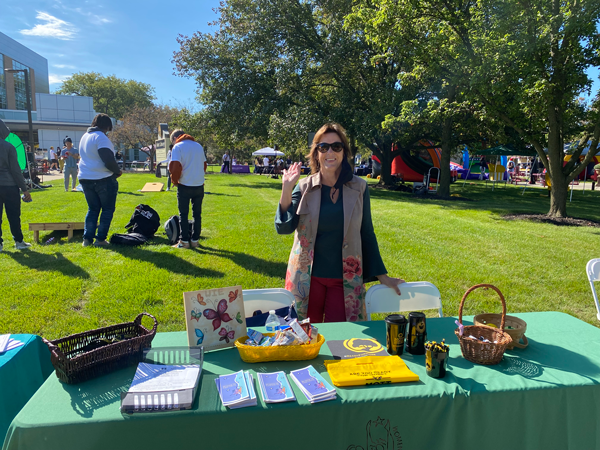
(369, 370)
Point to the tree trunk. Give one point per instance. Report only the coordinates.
(386, 157)
(444, 181)
(558, 198)
(559, 186)
(353, 149)
(445, 177)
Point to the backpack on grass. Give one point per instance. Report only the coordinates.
(144, 220)
(173, 229)
(129, 239)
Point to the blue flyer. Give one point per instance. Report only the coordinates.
(312, 383)
(275, 387)
(233, 388)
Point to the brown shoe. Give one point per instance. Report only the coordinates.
(181, 244)
(195, 244)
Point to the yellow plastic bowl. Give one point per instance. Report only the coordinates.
(251, 354)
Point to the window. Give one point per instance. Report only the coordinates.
(20, 90)
(3, 103)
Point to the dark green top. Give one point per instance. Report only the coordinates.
(330, 235)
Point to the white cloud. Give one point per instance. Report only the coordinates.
(57, 79)
(63, 66)
(52, 27)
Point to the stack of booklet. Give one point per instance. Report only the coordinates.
(7, 343)
(275, 387)
(236, 390)
(159, 386)
(313, 385)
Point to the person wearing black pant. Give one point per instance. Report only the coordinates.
(11, 179)
(483, 165)
(188, 166)
(535, 168)
(226, 166)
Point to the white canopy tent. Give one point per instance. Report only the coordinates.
(268, 151)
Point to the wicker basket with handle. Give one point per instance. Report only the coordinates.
(475, 350)
(75, 358)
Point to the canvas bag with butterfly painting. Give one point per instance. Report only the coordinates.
(215, 318)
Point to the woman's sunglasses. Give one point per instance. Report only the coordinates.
(323, 147)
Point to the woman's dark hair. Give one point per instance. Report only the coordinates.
(313, 156)
(103, 122)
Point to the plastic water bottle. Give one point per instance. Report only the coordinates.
(272, 322)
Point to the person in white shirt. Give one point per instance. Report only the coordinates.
(168, 162)
(53, 160)
(187, 167)
(266, 161)
(98, 173)
(226, 167)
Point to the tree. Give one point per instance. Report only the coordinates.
(272, 62)
(139, 127)
(113, 96)
(524, 63)
(529, 63)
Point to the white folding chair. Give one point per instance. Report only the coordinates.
(416, 296)
(593, 273)
(265, 299)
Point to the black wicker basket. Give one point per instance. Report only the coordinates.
(75, 358)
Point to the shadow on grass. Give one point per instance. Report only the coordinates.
(502, 200)
(220, 194)
(58, 235)
(165, 261)
(248, 262)
(130, 193)
(54, 262)
(260, 185)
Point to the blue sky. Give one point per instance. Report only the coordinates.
(129, 38)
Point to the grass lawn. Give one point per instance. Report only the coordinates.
(61, 288)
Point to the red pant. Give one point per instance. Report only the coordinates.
(326, 300)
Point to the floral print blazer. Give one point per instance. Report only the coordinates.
(297, 279)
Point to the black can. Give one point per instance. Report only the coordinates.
(436, 363)
(417, 334)
(395, 330)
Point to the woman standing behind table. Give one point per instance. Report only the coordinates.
(335, 250)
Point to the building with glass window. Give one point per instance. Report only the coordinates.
(55, 117)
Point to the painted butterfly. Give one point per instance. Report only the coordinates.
(320, 385)
(233, 295)
(239, 317)
(199, 335)
(201, 299)
(196, 315)
(219, 315)
(281, 391)
(226, 336)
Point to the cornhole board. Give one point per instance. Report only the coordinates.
(153, 187)
(69, 226)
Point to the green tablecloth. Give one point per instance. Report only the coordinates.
(546, 396)
(22, 372)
